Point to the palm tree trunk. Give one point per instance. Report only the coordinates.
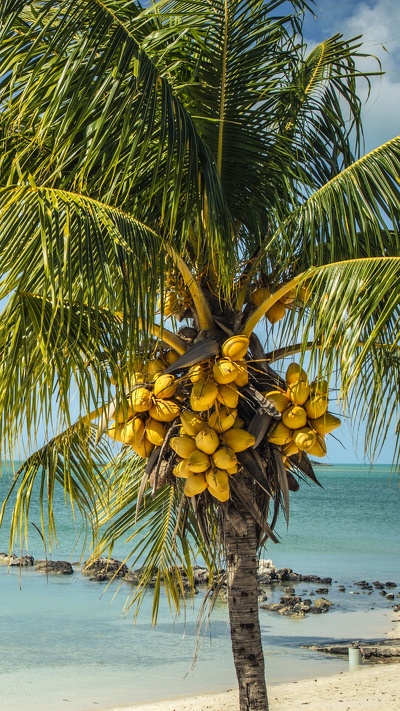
(241, 561)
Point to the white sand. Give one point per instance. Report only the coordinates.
(370, 686)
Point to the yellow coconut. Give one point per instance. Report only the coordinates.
(224, 458)
(133, 431)
(260, 295)
(238, 424)
(242, 374)
(143, 448)
(298, 392)
(171, 357)
(183, 445)
(318, 449)
(115, 432)
(155, 432)
(280, 434)
(192, 423)
(154, 366)
(123, 414)
(237, 439)
(325, 424)
(195, 484)
(164, 410)
(207, 440)
(289, 449)
(294, 417)
(198, 461)
(304, 438)
(182, 470)
(228, 395)
(140, 399)
(217, 478)
(295, 373)
(276, 312)
(278, 398)
(233, 470)
(224, 371)
(316, 407)
(165, 386)
(134, 378)
(289, 297)
(203, 395)
(171, 303)
(235, 347)
(222, 419)
(197, 372)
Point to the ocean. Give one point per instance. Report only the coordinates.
(65, 642)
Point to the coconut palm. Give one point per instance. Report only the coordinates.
(177, 179)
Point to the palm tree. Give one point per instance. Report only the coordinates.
(187, 161)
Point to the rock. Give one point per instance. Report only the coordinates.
(13, 560)
(290, 600)
(321, 604)
(390, 596)
(396, 608)
(378, 585)
(289, 591)
(390, 585)
(108, 567)
(322, 591)
(54, 567)
(341, 588)
(382, 592)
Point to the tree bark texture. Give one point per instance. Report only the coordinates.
(241, 561)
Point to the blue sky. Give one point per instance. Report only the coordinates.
(379, 23)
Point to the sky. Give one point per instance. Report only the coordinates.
(379, 24)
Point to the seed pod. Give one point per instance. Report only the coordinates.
(165, 386)
(325, 424)
(224, 371)
(304, 438)
(260, 295)
(198, 461)
(195, 484)
(316, 407)
(140, 400)
(154, 366)
(197, 372)
(164, 410)
(222, 419)
(155, 432)
(279, 434)
(207, 440)
(233, 470)
(115, 432)
(276, 312)
(235, 347)
(182, 445)
(182, 470)
(219, 495)
(295, 373)
(318, 449)
(228, 395)
(203, 395)
(224, 458)
(289, 449)
(133, 432)
(143, 448)
(192, 423)
(278, 398)
(298, 392)
(218, 479)
(242, 374)
(238, 440)
(294, 417)
(171, 357)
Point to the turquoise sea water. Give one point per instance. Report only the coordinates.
(65, 644)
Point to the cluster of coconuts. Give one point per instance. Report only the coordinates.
(277, 311)
(210, 434)
(305, 417)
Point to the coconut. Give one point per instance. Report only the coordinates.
(278, 398)
(198, 461)
(192, 423)
(224, 371)
(316, 407)
(294, 417)
(165, 386)
(195, 484)
(228, 395)
(155, 432)
(280, 434)
(325, 424)
(318, 449)
(235, 347)
(203, 395)
(207, 440)
(143, 448)
(182, 445)
(224, 458)
(242, 374)
(298, 392)
(140, 400)
(237, 439)
(295, 373)
(304, 438)
(181, 470)
(164, 410)
(276, 312)
(260, 295)
(222, 419)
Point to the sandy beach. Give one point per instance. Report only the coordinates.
(369, 686)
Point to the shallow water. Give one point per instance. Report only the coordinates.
(64, 643)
